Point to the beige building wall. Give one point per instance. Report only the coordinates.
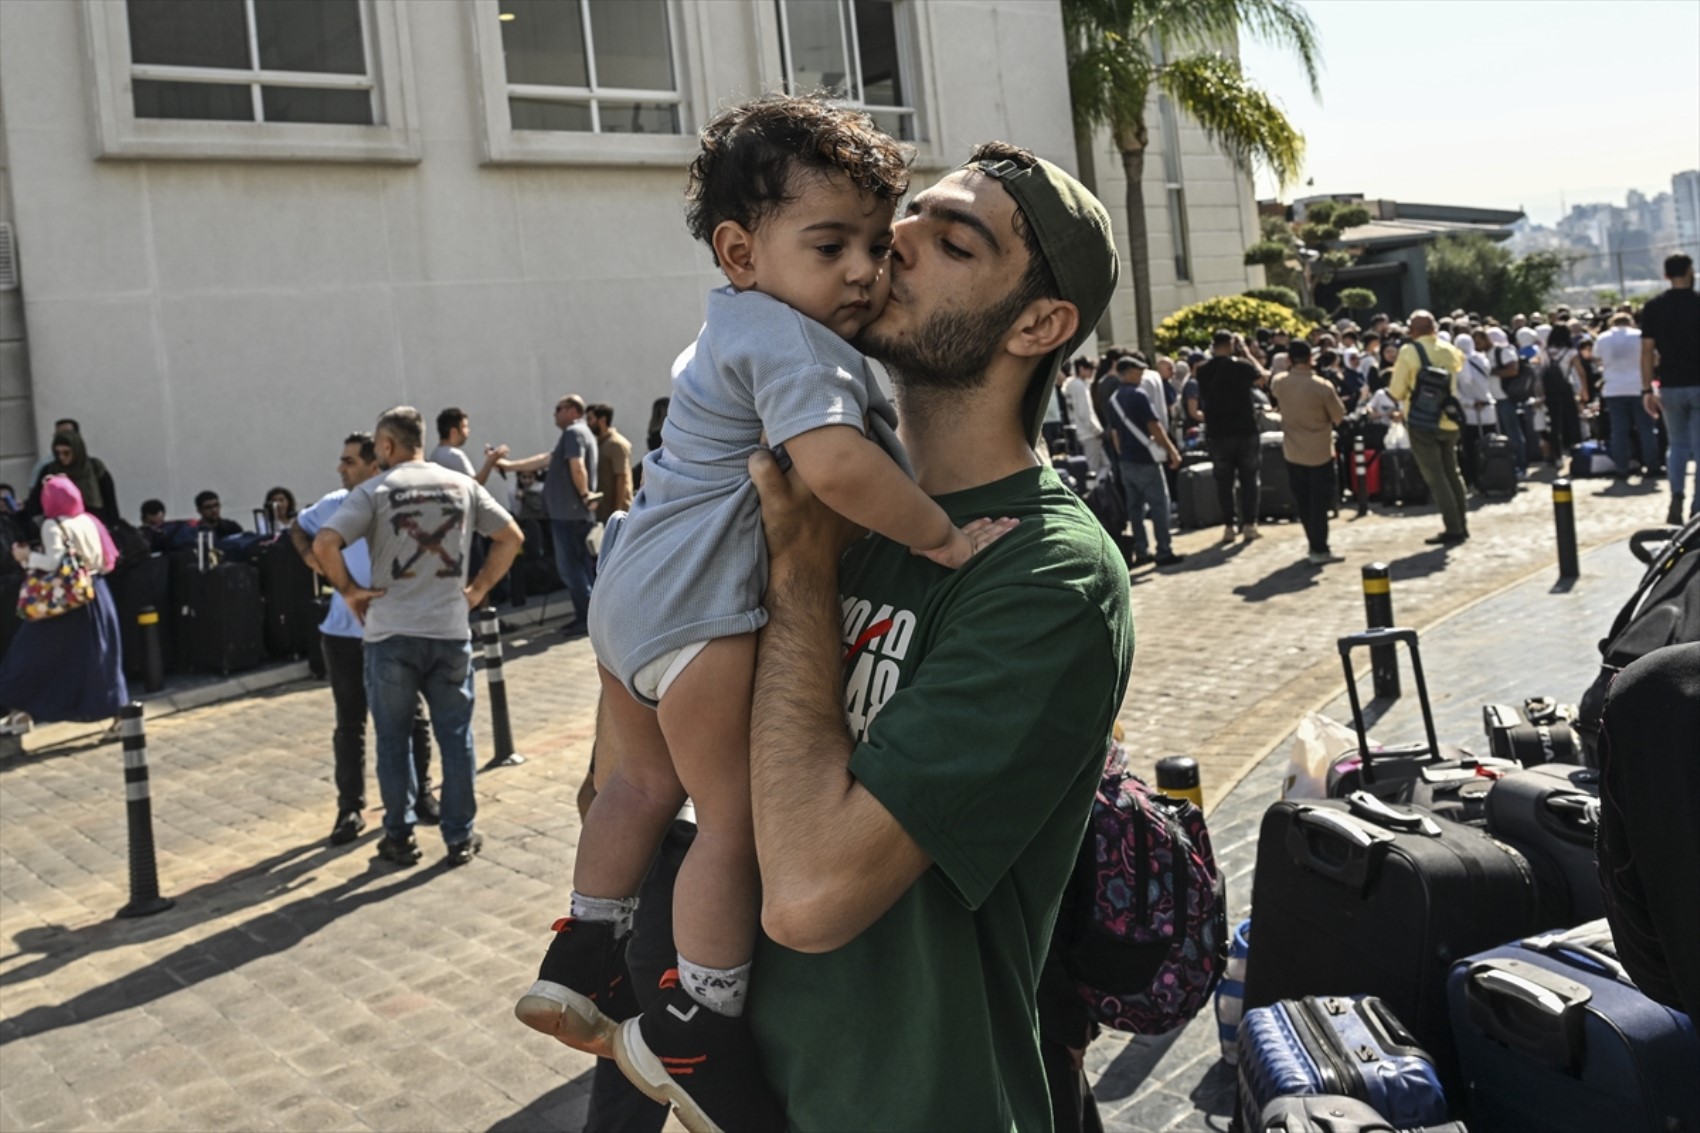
(221, 322)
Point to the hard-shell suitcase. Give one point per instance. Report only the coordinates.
(1552, 814)
(1197, 500)
(1337, 1045)
(290, 590)
(1590, 458)
(1555, 1037)
(1449, 780)
(1334, 1113)
(224, 619)
(1496, 468)
(1357, 895)
(1275, 497)
(1401, 482)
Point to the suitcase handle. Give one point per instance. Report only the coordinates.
(1365, 805)
(1556, 946)
(1529, 1016)
(1370, 639)
(1350, 867)
(1575, 818)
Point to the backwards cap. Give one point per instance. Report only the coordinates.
(1073, 233)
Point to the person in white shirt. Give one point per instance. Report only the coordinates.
(1618, 352)
(1476, 396)
(1087, 429)
(1509, 411)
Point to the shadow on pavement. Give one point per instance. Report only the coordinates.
(264, 935)
(1647, 486)
(1290, 579)
(76, 746)
(1215, 1094)
(1417, 565)
(59, 946)
(545, 1112)
(1132, 1066)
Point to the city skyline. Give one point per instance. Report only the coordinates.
(1520, 106)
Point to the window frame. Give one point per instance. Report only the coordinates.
(1174, 189)
(120, 134)
(907, 62)
(502, 144)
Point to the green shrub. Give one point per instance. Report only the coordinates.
(1285, 296)
(1350, 216)
(1310, 316)
(1193, 326)
(1357, 298)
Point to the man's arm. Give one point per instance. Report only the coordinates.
(1161, 436)
(504, 549)
(832, 858)
(529, 464)
(491, 459)
(303, 545)
(327, 548)
(1649, 370)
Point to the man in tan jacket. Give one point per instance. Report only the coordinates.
(614, 462)
(1310, 408)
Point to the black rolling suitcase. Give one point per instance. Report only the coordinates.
(1496, 470)
(1401, 482)
(135, 588)
(1552, 814)
(1275, 494)
(290, 590)
(1449, 781)
(1355, 896)
(1196, 497)
(225, 619)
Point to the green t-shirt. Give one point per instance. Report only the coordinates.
(981, 700)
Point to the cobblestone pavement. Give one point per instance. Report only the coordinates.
(300, 987)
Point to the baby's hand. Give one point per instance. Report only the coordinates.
(965, 542)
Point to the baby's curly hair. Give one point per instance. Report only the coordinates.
(751, 154)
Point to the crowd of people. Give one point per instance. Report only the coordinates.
(1544, 382)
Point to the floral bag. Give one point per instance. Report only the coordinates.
(1143, 928)
(47, 594)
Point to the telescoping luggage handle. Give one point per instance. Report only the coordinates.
(1368, 639)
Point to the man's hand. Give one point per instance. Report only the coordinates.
(358, 599)
(799, 527)
(475, 595)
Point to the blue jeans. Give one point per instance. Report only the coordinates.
(1625, 414)
(1511, 426)
(1682, 422)
(573, 562)
(1143, 487)
(398, 671)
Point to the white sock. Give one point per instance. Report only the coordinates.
(721, 990)
(615, 910)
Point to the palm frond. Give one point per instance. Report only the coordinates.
(1234, 114)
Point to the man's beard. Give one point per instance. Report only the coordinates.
(949, 352)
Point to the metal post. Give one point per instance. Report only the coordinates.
(1378, 614)
(490, 635)
(1360, 463)
(1564, 518)
(144, 873)
(153, 655)
(1177, 776)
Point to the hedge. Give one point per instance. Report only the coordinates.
(1193, 326)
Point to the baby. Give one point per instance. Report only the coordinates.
(795, 198)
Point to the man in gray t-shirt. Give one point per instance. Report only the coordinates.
(418, 520)
(569, 494)
(453, 429)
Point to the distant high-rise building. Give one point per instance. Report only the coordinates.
(1685, 188)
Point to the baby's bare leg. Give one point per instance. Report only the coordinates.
(638, 796)
(705, 717)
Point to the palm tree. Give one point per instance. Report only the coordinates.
(1119, 50)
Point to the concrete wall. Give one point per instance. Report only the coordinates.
(223, 323)
(17, 416)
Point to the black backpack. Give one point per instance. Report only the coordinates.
(1664, 610)
(1431, 396)
(1521, 385)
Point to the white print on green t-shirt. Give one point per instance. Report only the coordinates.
(874, 644)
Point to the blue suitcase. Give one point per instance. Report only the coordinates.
(1332, 1113)
(1351, 1045)
(1590, 458)
(1553, 1036)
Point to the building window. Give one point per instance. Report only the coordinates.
(1175, 189)
(590, 66)
(251, 61)
(857, 50)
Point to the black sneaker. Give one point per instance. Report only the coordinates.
(462, 852)
(581, 993)
(1143, 558)
(400, 851)
(349, 824)
(702, 1063)
(425, 809)
(1169, 559)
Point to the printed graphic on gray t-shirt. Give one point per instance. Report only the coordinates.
(417, 519)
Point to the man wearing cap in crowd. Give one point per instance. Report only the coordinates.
(912, 863)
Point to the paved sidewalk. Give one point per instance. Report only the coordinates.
(296, 986)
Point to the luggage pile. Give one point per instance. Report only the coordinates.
(1430, 947)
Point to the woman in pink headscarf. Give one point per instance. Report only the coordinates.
(67, 667)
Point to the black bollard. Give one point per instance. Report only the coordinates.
(1361, 463)
(153, 655)
(144, 873)
(490, 634)
(1177, 777)
(1564, 518)
(1378, 614)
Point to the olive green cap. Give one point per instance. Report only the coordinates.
(1073, 231)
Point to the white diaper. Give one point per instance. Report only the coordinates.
(653, 680)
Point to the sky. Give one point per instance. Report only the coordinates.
(1494, 103)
